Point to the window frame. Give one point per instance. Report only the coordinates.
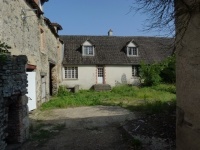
(70, 72)
(133, 50)
(86, 52)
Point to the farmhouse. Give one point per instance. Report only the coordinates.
(109, 60)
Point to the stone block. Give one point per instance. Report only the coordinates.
(26, 122)
(24, 99)
(102, 87)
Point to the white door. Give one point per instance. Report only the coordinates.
(31, 90)
(100, 75)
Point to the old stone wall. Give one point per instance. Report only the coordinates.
(188, 75)
(30, 36)
(14, 122)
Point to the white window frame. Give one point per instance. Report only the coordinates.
(88, 50)
(71, 72)
(134, 51)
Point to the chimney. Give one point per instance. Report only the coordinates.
(110, 32)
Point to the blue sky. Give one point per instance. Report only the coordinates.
(96, 17)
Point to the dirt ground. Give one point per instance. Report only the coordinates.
(81, 128)
(100, 128)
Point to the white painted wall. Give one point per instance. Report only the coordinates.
(86, 77)
(118, 75)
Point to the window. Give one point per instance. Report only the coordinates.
(132, 51)
(42, 40)
(88, 51)
(71, 73)
(135, 71)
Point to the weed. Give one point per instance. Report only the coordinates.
(62, 91)
(153, 98)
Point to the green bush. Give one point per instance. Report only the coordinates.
(168, 74)
(150, 73)
(153, 74)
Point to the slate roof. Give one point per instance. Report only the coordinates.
(110, 50)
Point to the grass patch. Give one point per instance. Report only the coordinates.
(153, 98)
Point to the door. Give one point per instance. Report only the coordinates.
(100, 75)
(31, 90)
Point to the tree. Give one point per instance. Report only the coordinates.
(160, 12)
(186, 17)
(162, 15)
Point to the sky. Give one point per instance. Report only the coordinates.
(96, 17)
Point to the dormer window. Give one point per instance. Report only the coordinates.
(87, 49)
(132, 49)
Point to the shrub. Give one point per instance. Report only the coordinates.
(154, 73)
(150, 73)
(168, 74)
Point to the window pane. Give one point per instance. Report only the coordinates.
(130, 51)
(85, 50)
(88, 50)
(71, 72)
(134, 51)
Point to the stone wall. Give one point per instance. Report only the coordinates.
(31, 37)
(14, 122)
(102, 87)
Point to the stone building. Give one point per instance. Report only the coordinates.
(24, 28)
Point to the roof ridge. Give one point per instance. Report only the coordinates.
(115, 36)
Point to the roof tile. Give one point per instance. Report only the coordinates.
(110, 50)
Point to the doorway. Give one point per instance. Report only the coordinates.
(100, 74)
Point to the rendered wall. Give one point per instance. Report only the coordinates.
(188, 77)
(116, 75)
(86, 78)
(113, 75)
